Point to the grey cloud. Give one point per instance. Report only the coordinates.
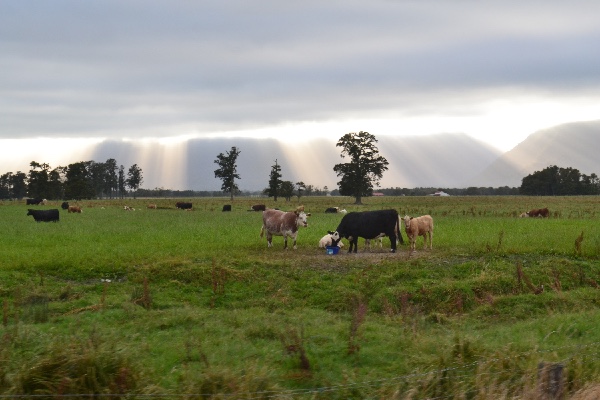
(83, 69)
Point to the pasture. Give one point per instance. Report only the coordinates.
(192, 304)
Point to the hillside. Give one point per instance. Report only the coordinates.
(570, 145)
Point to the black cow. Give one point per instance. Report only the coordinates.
(183, 205)
(331, 210)
(33, 202)
(44, 215)
(65, 205)
(258, 207)
(227, 207)
(368, 225)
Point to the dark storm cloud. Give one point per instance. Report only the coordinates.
(138, 68)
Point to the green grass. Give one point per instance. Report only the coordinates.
(170, 302)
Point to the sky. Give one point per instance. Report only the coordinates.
(76, 73)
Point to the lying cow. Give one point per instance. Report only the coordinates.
(331, 210)
(226, 207)
(65, 205)
(258, 207)
(44, 215)
(419, 226)
(369, 225)
(152, 206)
(74, 209)
(327, 241)
(281, 223)
(536, 212)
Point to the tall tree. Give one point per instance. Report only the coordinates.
(18, 185)
(121, 181)
(365, 168)
(134, 178)
(78, 183)
(300, 187)
(37, 181)
(227, 171)
(111, 182)
(274, 181)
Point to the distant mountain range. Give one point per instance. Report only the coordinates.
(441, 160)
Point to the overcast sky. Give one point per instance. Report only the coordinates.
(495, 70)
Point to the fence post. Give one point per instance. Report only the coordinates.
(550, 381)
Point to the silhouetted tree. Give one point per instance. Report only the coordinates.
(227, 171)
(286, 190)
(121, 181)
(556, 181)
(37, 180)
(78, 184)
(300, 187)
(274, 181)
(134, 178)
(365, 168)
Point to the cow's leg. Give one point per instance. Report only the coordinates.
(294, 237)
(355, 242)
(285, 242)
(393, 241)
(269, 239)
(431, 240)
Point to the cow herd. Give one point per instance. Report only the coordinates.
(369, 225)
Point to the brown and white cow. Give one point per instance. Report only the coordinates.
(419, 226)
(74, 209)
(536, 212)
(281, 223)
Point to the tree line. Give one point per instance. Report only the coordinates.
(358, 178)
(80, 180)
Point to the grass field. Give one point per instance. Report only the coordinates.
(165, 303)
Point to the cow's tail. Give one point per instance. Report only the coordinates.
(399, 230)
(262, 231)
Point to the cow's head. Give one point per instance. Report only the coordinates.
(335, 237)
(301, 218)
(524, 215)
(407, 220)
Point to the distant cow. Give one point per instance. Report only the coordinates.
(44, 215)
(536, 212)
(280, 223)
(331, 210)
(419, 226)
(227, 207)
(152, 206)
(183, 205)
(74, 209)
(258, 207)
(369, 225)
(65, 205)
(34, 201)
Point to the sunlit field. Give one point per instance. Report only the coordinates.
(166, 303)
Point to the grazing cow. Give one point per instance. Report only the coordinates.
(536, 212)
(281, 223)
(74, 209)
(227, 207)
(65, 205)
(327, 240)
(419, 226)
(44, 215)
(369, 225)
(331, 210)
(183, 205)
(34, 201)
(258, 207)
(152, 206)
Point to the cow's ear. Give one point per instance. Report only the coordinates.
(330, 232)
